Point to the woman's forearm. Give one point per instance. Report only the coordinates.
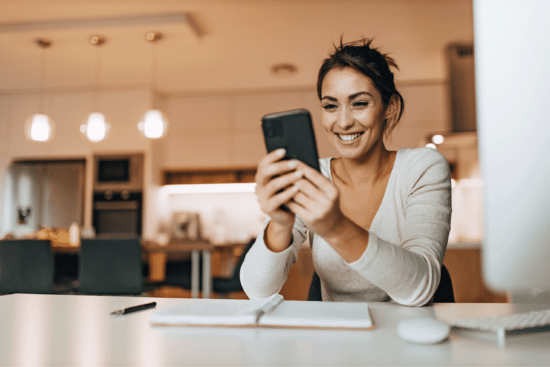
(277, 236)
(349, 240)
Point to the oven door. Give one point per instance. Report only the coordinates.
(118, 216)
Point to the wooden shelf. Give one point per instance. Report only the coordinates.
(208, 175)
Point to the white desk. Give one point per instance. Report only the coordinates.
(78, 330)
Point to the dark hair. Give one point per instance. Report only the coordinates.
(370, 62)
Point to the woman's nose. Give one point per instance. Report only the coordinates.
(345, 119)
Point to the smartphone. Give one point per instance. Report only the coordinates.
(292, 130)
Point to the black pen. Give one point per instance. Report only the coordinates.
(134, 308)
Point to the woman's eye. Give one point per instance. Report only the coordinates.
(361, 103)
(329, 106)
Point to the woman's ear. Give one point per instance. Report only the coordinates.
(391, 116)
(391, 108)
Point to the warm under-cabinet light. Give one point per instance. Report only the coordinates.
(210, 188)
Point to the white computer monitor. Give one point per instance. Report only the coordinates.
(512, 62)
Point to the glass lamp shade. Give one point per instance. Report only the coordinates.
(153, 124)
(39, 128)
(96, 128)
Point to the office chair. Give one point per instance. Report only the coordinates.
(26, 266)
(443, 294)
(110, 266)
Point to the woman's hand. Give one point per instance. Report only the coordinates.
(317, 202)
(275, 180)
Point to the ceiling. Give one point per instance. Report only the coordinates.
(239, 41)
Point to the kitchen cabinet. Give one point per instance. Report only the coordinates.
(209, 175)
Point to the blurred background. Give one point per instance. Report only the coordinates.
(212, 68)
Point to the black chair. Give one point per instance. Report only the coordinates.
(26, 266)
(443, 294)
(110, 266)
(224, 286)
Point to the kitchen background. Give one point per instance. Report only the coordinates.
(214, 85)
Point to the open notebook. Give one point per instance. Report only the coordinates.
(268, 312)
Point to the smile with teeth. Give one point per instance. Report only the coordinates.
(349, 137)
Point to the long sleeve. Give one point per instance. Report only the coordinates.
(264, 272)
(407, 242)
(408, 267)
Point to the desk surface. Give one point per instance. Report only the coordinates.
(77, 330)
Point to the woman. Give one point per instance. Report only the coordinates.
(379, 219)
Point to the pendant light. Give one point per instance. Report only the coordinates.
(96, 127)
(39, 127)
(153, 124)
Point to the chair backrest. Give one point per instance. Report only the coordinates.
(26, 266)
(443, 294)
(110, 266)
(233, 283)
(239, 264)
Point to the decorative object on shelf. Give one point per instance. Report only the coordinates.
(96, 127)
(153, 124)
(39, 127)
(186, 226)
(22, 215)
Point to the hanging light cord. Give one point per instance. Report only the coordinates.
(43, 43)
(42, 69)
(97, 77)
(153, 66)
(97, 41)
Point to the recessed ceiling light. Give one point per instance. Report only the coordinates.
(284, 69)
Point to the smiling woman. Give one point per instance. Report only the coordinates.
(378, 220)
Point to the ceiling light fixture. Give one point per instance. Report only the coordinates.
(284, 69)
(39, 127)
(96, 127)
(438, 139)
(153, 124)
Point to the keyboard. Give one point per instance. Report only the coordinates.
(516, 321)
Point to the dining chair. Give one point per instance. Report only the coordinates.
(26, 266)
(110, 266)
(443, 294)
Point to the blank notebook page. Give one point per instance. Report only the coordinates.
(345, 315)
(211, 312)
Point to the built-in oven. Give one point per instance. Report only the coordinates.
(117, 213)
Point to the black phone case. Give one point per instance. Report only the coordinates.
(292, 130)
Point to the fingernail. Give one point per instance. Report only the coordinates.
(292, 164)
(281, 151)
(298, 173)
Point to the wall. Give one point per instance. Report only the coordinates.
(224, 129)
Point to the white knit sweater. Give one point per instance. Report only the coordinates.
(407, 241)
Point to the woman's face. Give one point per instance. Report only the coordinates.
(353, 112)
